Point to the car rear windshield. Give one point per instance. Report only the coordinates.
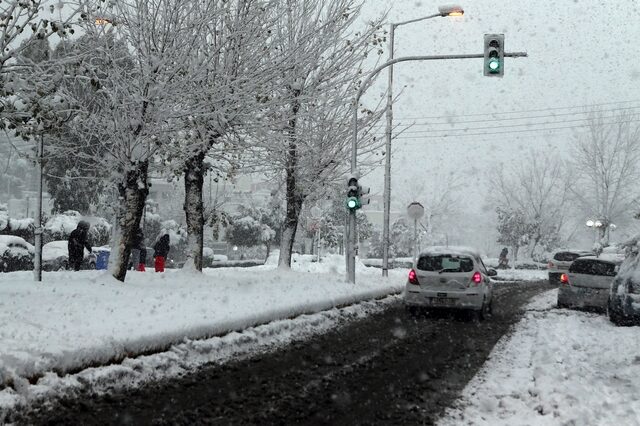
(593, 267)
(445, 263)
(566, 256)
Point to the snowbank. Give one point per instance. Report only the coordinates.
(559, 367)
(522, 275)
(76, 319)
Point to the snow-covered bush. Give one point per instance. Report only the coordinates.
(23, 228)
(60, 226)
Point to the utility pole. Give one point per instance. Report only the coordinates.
(37, 261)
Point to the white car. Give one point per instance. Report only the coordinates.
(55, 256)
(586, 284)
(560, 262)
(451, 278)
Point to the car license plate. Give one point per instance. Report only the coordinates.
(442, 301)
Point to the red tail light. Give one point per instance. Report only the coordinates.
(413, 277)
(564, 279)
(477, 277)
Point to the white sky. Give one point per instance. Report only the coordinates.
(581, 52)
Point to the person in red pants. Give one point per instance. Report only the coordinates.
(160, 251)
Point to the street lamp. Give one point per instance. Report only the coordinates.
(442, 12)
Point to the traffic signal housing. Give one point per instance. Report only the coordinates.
(494, 55)
(353, 195)
(363, 195)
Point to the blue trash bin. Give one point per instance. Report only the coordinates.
(102, 259)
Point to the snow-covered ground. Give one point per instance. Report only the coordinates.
(559, 367)
(522, 274)
(185, 357)
(75, 319)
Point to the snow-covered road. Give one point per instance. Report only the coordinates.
(559, 367)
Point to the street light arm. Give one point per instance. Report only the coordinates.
(435, 15)
(373, 73)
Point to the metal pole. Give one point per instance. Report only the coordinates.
(415, 239)
(37, 261)
(387, 163)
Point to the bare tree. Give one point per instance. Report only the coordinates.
(310, 138)
(236, 38)
(139, 65)
(538, 187)
(606, 161)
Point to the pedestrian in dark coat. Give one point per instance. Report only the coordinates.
(160, 252)
(78, 241)
(138, 251)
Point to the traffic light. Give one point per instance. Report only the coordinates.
(353, 195)
(494, 55)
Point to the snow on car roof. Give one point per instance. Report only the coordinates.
(606, 257)
(456, 250)
(54, 249)
(572, 251)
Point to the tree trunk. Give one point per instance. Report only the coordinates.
(294, 197)
(133, 192)
(194, 211)
(268, 244)
(294, 207)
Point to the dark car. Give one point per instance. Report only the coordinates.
(623, 306)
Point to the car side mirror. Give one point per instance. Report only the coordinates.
(492, 272)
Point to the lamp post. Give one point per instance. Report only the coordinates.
(442, 12)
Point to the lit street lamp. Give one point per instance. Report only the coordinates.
(442, 12)
(602, 228)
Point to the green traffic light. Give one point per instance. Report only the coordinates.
(353, 203)
(494, 65)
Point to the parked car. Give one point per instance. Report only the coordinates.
(560, 262)
(55, 257)
(451, 278)
(16, 254)
(586, 283)
(623, 305)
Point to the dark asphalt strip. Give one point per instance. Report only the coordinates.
(389, 368)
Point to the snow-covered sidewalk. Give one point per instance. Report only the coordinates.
(77, 319)
(559, 367)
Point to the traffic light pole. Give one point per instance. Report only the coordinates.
(350, 247)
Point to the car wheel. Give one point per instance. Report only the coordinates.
(614, 315)
(412, 310)
(64, 265)
(485, 312)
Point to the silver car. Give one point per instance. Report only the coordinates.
(451, 278)
(586, 283)
(560, 262)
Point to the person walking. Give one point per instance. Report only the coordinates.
(160, 251)
(503, 261)
(78, 241)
